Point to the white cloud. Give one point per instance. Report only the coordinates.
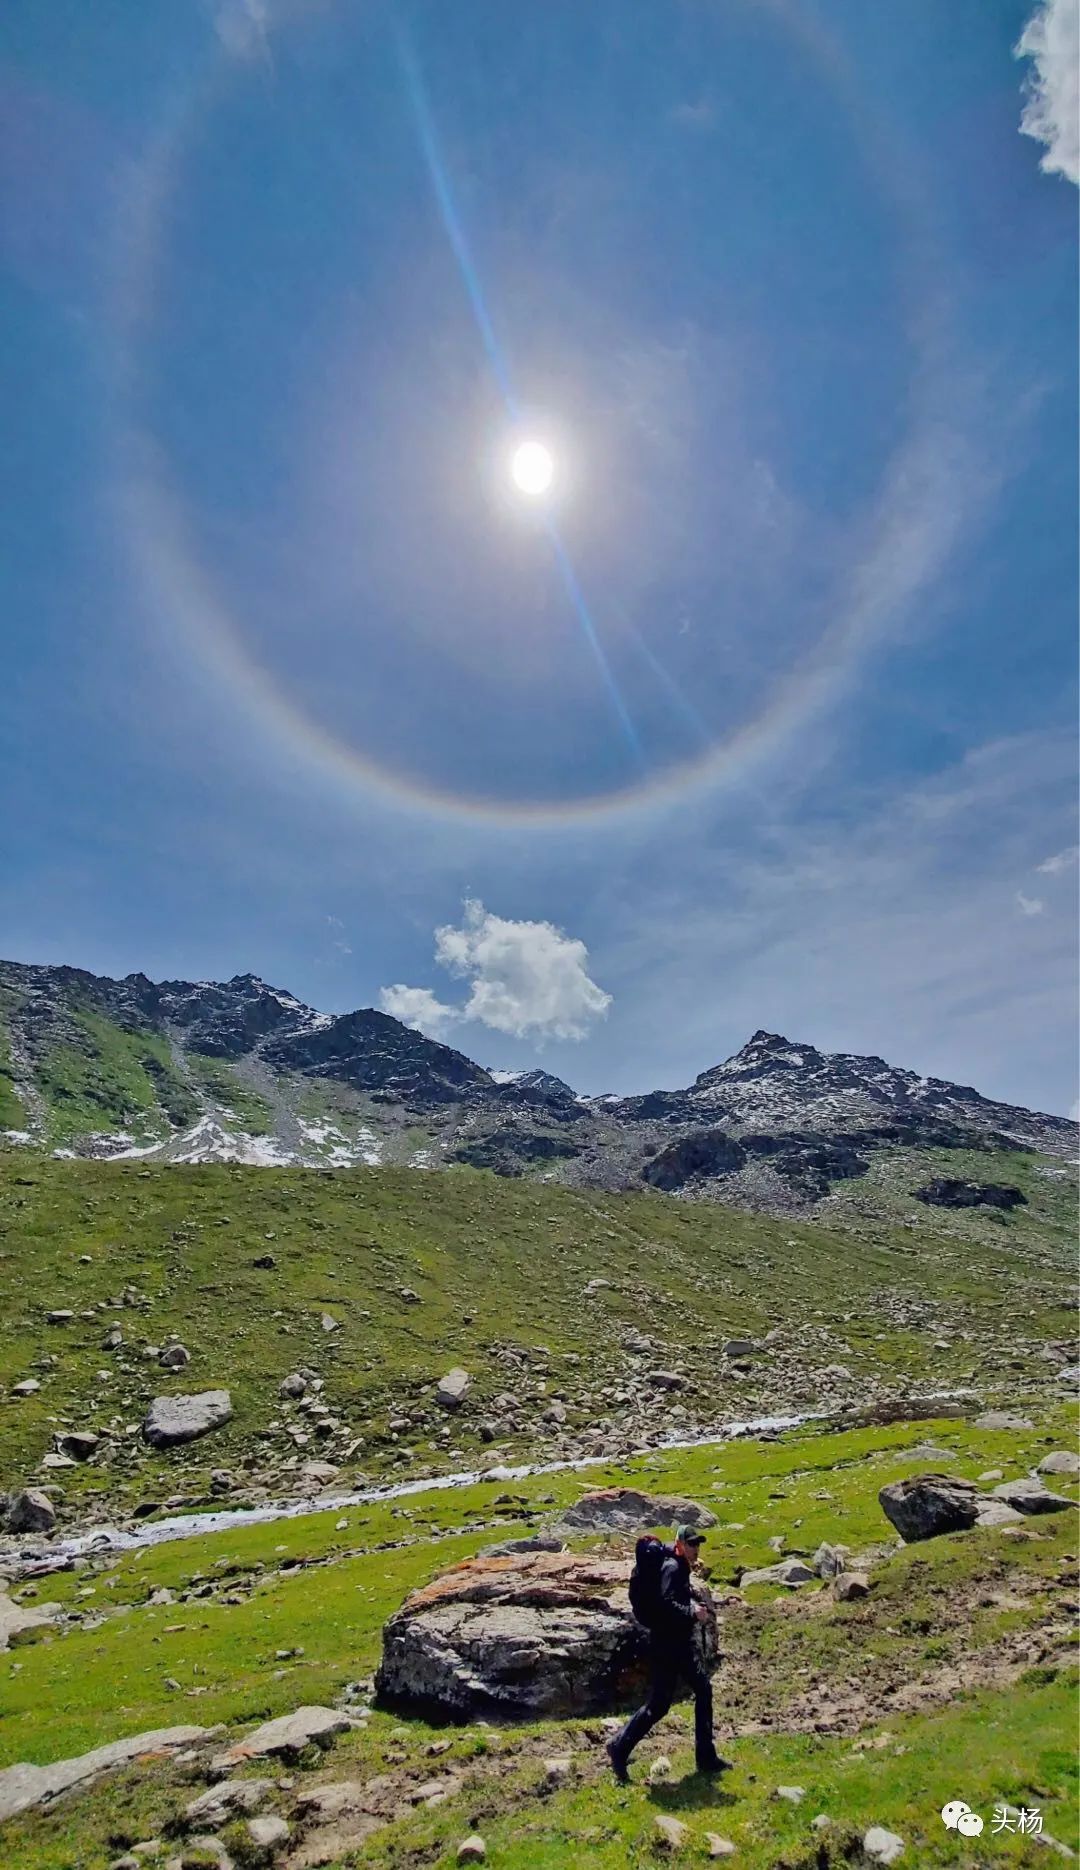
(1029, 905)
(1053, 866)
(1051, 39)
(418, 1007)
(527, 977)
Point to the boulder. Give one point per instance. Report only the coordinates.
(790, 1571)
(849, 1585)
(1003, 1418)
(15, 1618)
(624, 1509)
(79, 1443)
(828, 1561)
(28, 1387)
(537, 1634)
(1062, 1461)
(451, 1390)
(171, 1420)
(293, 1386)
(22, 1787)
(174, 1357)
(289, 1735)
(31, 1511)
(265, 1835)
(944, 1192)
(1030, 1496)
(925, 1505)
(996, 1513)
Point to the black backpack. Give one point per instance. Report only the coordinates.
(649, 1556)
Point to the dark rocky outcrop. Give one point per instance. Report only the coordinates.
(942, 1192)
(705, 1154)
(624, 1509)
(529, 1635)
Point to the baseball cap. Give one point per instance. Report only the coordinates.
(691, 1535)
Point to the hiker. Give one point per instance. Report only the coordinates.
(661, 1599)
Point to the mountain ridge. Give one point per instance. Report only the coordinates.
(240, 1070)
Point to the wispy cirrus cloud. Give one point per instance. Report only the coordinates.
(1062, 860)
(1051, 40)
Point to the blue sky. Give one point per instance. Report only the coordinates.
(765, 717)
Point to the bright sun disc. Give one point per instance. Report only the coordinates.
(532, 468)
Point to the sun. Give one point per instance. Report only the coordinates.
(532, 468)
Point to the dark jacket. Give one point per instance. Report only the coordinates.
(675, 1623)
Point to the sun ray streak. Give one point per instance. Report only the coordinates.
(459, 246)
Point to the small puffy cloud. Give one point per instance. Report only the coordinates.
(1051, 40)
(1063, 860)
(1029, 905)
(527, 977)
(418, 1007)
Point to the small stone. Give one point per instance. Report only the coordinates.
(78, 1443)
(718, 1846)
(407, 1294)
(451, 1389)
(739, 1347)
(1002, 1418)
(472, 1850)
(827, 1561)
(1062, 1461)
(671, 1833)
(113, 1339)
(992, 1473)
(793, 1794)
(174, 1357)
(849, 1585)
(265, 1262)
(293, 1386)
(330, 1324)
(267, 1833)
(28, 1387)
(881, 1846)
(126, 1862)
(557, 1771)
(61, 1317)
(821, 1823)
(660, 1770)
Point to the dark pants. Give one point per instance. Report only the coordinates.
(668, 1662)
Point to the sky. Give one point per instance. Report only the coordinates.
(763, 715)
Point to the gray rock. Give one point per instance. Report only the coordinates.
(172, 1420)
(1069, 1378)
(790, 1571)
(23, 1787)
(1030, 1496)
(31, 1511)
(174, 1357)
(739, 1347)
(229, 1799)
(472, 1850)
(61, 1317)
(28, 1387)
(881, 1846)
(670, 1833)
(849, 1585)
(1062, 1461)
(996, 1513)
(925, 1505)
(827, 1561)
(289, 1735)
(666, 1380)
(1002, 1418)
(451, 1390)
(79, 1443)
(543, 1634)
(113, 1339)
(293, 1386)
(794, 1795)
(266, 1834)
(625, 1509)
(15, 1618)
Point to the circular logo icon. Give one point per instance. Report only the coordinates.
(952, 1813)
(970, 1824)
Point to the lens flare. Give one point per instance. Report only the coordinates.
(532, 468)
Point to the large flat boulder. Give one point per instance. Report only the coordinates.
(532, 1634)
(24, 1786)
(624, 1509)
(171, 1420)
(289, 1736)
(15, 1618)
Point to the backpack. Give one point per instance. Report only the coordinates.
(649, 1556)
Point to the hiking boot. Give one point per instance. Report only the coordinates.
(618, 1764)
(715, 1765)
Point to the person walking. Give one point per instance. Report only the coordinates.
(673, 1615)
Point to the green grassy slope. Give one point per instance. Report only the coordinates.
(810, 1693)
(170, 1250)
